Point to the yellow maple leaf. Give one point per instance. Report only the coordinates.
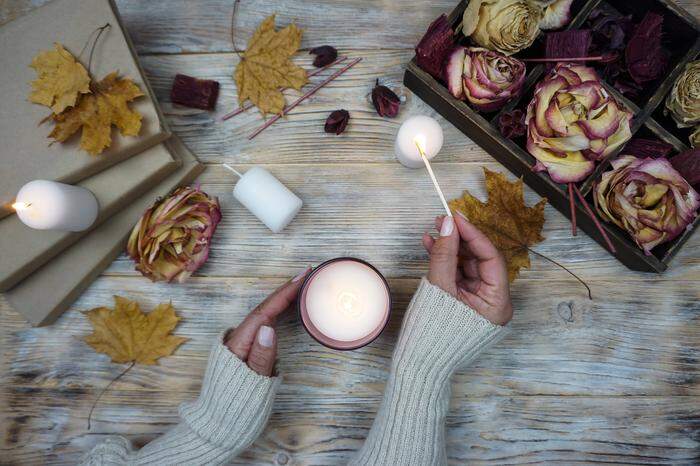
(265, 67)
(508, 222)
(60, 79)
(97, 112)
(126, 334)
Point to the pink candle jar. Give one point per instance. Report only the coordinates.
(344, 303)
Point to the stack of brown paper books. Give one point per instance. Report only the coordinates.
(43, 272)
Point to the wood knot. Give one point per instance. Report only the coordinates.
(281, 458)
(566, 311)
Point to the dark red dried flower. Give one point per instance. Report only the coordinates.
(194, 93)
(385, 101)
(325, 55)
(434, 46)
(646, 59)
(610, 30)
(573, 43)
(642, 148)
(337, 121)
(512, 124)
(688, 165)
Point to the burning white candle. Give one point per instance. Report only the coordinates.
(49, 205)
(426, 131)
(266, 197)
(345, 303)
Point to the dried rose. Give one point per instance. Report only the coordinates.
(434, 46)
(688, 165)
(337, 121)
(507, 26)
(172, 238)
(325, 55)
(385, 101)
(557, 13)
(572, 122)
(694, 137)
(648, 198)
(484, 78)
(645, 58)
(684, 100)
(512, 124)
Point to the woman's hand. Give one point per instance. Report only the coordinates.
(464, 263)
(254, 340)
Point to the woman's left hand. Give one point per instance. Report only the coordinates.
(254, 340)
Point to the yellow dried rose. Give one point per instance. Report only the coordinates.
(695, 137)
(507, 26)
(683, 103)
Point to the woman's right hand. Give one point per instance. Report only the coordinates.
(465, 264)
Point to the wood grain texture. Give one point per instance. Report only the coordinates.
(615, 380)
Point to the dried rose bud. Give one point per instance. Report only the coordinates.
(325, 55)
(172, 238)
(337, 122)
(512, 124)
(194, 93)
(385, 101)
(434, 46)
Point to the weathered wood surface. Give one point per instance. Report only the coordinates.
(616, 380)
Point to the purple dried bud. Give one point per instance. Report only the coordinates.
(512, 124)
(194, 93)
(337, 122)
(325, 55)
(385, 101)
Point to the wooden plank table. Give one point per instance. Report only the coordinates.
(616, 380)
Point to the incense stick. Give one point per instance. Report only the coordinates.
(432, 177)
(232, 170)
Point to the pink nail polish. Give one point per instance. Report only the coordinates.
(448, 226)
(266, 335)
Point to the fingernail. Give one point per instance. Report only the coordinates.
(448, 225)
(300, 275)
(266, 335)
(462, 215)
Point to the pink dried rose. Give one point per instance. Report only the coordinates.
(484, 78)
(572, 122)
(172, 238)
(648, 198)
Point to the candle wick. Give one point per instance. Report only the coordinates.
(232, 170)
(432, 177)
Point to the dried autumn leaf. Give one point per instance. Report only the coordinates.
(508, 222)
(60, 79)
(96, 113)
(126, 334)
(265, 67)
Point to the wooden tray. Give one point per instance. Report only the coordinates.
(681, 39)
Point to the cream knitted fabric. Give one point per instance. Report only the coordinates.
(438, 335)
(230, 413)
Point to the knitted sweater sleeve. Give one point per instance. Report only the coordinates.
(438, 335)
(232, 409)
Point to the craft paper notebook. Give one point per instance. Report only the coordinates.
(26, 153)
(23, 250)
(49, 291)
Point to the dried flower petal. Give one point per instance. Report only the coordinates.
(642, 148)
(688, 165)
(194, 93)
(325, 55)
(172, 238)
(385, 101)
(694, 137)
(434, 46)
(684, 100)
(573, 43)
(337, 121)
(512, 124)
(645, 58)
(556, 15)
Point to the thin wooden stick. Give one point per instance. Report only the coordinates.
(311, 92)
(233, 170)
(432, 177)
(248, 105)
(573, 209)
(595, 220)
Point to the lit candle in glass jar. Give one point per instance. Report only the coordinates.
(345, 303)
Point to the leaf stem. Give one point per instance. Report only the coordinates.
(233, 18)
(590, 295)
(99, 32)
(106, 388)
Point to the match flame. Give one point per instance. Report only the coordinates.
(420, 142)
(20, 206)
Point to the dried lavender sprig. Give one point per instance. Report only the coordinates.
(304, 97)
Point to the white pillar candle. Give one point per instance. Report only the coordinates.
(49, 205)
(345, 303)
(424, 130)
(267, 198)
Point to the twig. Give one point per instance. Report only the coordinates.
(595, 220)
(590, 295)
(311, 92)
(249, 105)
(105, 389)
(573, 209)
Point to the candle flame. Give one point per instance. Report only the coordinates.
(21, 206)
